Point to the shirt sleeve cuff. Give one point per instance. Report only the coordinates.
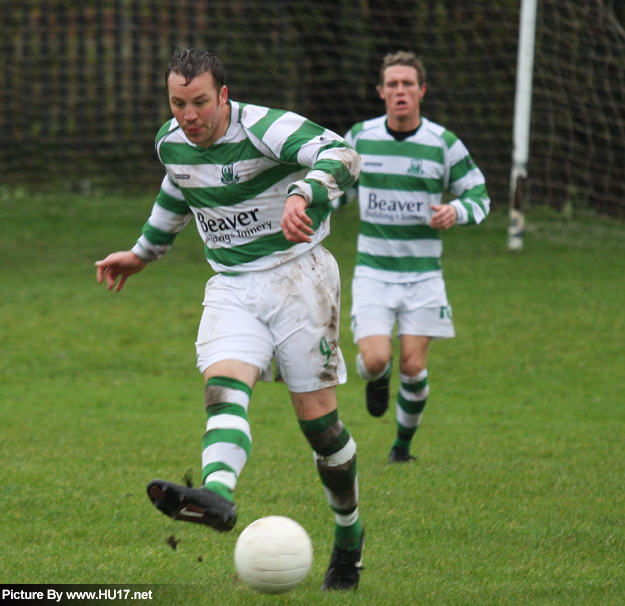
(301, 188)
(462, 216)
(143, 254)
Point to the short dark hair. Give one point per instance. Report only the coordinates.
(403, 58)
(192, 62)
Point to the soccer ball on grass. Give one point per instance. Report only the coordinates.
(273, 555)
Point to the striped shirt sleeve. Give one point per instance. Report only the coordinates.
(170, 215)
(292, 139)
(467, 183)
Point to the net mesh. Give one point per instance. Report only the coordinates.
(83, 88)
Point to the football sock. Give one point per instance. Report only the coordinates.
(228, 440)
(365, 374)
(348, 531)
(335, 455)
(411, 400)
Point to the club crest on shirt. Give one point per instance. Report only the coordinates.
(227, 175)
(416, 167)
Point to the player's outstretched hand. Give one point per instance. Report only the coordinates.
(118, 264)
(444, 216)
(295, 222)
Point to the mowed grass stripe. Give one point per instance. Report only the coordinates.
(516, 497)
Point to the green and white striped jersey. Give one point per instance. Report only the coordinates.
(399, 182)
(236, 188)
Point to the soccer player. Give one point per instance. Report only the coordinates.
(408, 163)
(259, 184)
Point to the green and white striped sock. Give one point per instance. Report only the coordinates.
(227, 442)
(335, 455)
(411, 400)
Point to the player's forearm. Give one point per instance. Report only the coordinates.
(148, 252)
(161, 229)
(335, 172)
(472, 207)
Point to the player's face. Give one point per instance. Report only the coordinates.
(402, 95)
(201, 109)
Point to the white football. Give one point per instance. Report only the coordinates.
(273, 554)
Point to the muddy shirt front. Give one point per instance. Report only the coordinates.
(236, 188)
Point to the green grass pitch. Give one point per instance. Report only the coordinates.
(517, 496)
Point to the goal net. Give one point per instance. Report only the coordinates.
(577, 154)
(82, 92)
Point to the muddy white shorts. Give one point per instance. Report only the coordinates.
(418, 308)
(289, 313)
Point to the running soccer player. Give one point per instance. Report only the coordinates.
(408, 163)
(259, 184)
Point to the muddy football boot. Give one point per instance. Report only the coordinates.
(345, 568)
(377, 396)
(400, 455)
(197, 505)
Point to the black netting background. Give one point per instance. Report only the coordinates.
(82, 89)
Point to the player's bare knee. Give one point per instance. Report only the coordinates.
(411, 367)
(375, 363)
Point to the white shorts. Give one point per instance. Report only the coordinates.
(290, 313)
(419, 308)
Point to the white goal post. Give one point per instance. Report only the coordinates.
(522, 121)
